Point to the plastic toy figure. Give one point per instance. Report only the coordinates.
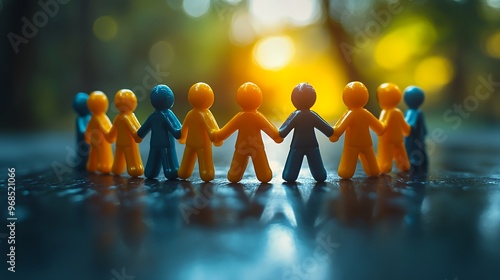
(415, 143)
(358, 143)
(196, 133)
(250, 122)
(124, 133)
(164, 126)
(101, 155)
(391, 143)
(82, 147)
(304, 142)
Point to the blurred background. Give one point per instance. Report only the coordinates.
(52, 49)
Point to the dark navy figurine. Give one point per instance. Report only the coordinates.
(415, 143)
(304, 142)
(80, 107)
(164, 126)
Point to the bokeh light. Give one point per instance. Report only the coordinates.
(241, 32)
(105, 28)
(433, 73)
(196, 8)
(273, 53)
(161, 53)
(274, 15)
(493, 45)
(399, 46)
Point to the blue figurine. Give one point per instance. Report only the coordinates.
(304, 142)
(415, 142)
(80, 106)
(164, 126)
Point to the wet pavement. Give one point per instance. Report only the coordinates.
(442, 225)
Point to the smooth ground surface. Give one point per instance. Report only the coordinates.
(444, 225)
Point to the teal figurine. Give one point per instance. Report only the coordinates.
(164, 127)
(304, 143)
(415, 142)
(82, 147)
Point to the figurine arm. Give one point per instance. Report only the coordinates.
(340, 126)
(288, 125)
(172, 124)
(375, 124)
(406, 128)
(270, 129)
(145, 128)
(133, 126)
(226, 131)
(184, 130)
(322, 125)
(112, 134)
(212, 128)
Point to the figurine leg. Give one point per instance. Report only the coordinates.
(105, 161)
(369, 162)
(134, 161)
(238, 166)
(384, 157)
(170, 163)
(401, 157)
(292, 165)
(206, 164)
(153, 164)
(261, 166)
(119, 163)
(187, 164)
(316, 166)
(348, 162)
(92, 161)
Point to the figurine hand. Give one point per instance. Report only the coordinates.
(334, 138)
(182, 140)
(137, 138)
(215, 138)
(218, 143)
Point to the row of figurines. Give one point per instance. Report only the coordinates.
(401, 138)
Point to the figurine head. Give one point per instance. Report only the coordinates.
(201, 96)
(389, 95)
(355, 95)
(249, 96)
(97, 102)
(125, 101)
(414, 97)
(303, 96)
(162, 97)
(80, 104)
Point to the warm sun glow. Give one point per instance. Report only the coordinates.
(493, 45)
(399, 46)
(273, 53)
(433, 73)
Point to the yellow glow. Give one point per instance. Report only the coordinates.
(105, 28)
(399, 46)
(161, 53)
(493, 45)
(241, 32)
(433, 73)
(273, 53)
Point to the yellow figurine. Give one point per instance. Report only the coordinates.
(124, 132)
(250, 122)
(357, 122)
(391, 143)
(101, 155)
(196, 134)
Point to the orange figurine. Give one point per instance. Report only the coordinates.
(101, 155)
(196, 133)
(250, 122)
(124, 132)
(391, 143)
(358, 143)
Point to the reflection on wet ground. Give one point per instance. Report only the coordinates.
(444, 225)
